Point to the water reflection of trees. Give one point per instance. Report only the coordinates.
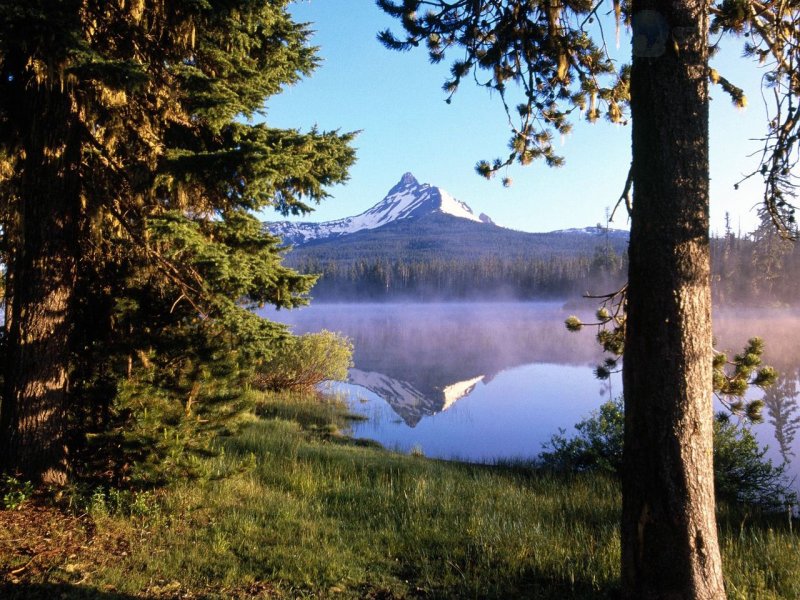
(783, 411)
(780, 330)
(428, 347)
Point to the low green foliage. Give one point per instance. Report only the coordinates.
(742, 474)
(15, 492)
(321, 413)
(320, 515)
(284, 503)
(112, 502)
(305, 361)
(597, 447)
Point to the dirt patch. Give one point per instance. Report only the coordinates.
(46, 552)
(41, 543)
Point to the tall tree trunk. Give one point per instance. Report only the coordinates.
(42, 268)
(669, 536)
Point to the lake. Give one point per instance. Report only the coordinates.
(489, 381)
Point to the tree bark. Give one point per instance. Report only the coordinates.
(669, 535)
(41, 281)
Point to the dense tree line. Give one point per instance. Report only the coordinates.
(485, 278)
(759, 268)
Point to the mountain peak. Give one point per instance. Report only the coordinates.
(408, 179)
(407, 199)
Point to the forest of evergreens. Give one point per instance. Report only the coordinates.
(759, 268)
(488, 278)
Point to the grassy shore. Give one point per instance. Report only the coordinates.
(279, 504)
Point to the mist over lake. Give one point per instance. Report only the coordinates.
(491, 381)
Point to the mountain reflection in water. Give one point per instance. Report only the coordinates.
(482, 381)
(410, 403)
(422, 358)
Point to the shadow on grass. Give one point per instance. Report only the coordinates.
(530, 586)
(547, 588)
(65, 591)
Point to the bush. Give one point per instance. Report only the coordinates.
(15, 492)
(305, 361)
(742, 474)
(597, 447)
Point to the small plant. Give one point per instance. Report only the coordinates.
(112, 502)
(97, 503)
(416, 451)
(742, 474)
(15, 492)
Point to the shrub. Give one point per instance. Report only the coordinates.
(305, 361)
(742, 474)
(597, 447)
(15, 492)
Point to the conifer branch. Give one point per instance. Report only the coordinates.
(168, 268)
(772, 27)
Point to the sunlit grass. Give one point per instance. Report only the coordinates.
(290, 501)
(761, 560)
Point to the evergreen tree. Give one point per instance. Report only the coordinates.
(768, 259)
(129, 169)
(542, 60)
(722, 264)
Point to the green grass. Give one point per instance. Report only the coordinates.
(285, 500)
(321, 515)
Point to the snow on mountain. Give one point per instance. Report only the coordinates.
(597, 231)
(409, 198)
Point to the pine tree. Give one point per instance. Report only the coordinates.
(768, 259)
(543, 61)
(130, 169)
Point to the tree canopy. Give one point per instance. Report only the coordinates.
(550, 64)
(134, 154)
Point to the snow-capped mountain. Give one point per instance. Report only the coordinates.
(408, 199)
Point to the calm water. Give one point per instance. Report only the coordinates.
(483, 382)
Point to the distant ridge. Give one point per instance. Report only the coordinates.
(597, 230)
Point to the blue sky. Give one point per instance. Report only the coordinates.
(395, 101)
